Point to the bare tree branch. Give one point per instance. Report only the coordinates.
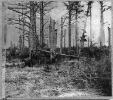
(21, 24)
(21, 21)
(50, 8)
(18, 12)
(47, 3)
(22, 29)
(109, 7)
(68, 23)
(45, 23)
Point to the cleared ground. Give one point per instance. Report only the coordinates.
(33, 82)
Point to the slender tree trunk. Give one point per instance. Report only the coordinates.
(20, 37)
(61, 37)
(73, 43)
(64, 38)
(20, 42)
(50, 38)
(53, 35)
(73, 46)
(23, 31)
(76, 32)
(50, 34)
(90, 26)
(88, 41)
(41, 23)
(102, 34)
(31, 24)
(35, 34)
(69, 37)
(55, 38)
(35, 19)
(29, 40)
(47, 43)
(109, 37)
(84, 31)
(4, 30)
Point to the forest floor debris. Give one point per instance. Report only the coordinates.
(35, 82)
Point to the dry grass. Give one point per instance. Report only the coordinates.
(68, 78)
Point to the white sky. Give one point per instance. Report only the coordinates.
(57, 13)
(60, 11)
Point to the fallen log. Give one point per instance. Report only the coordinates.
(95, 78)
(20, 64)
(59, 53)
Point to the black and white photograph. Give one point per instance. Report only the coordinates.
(56, 49)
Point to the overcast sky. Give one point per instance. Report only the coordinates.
(56, 14)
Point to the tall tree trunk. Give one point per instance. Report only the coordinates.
(41, 23)
(4, 23)
(102, 34)
(29, 40)
(73, 46)
(88, 41)
(69, 29)
(73, 43)
(61, 37)
(20, 37)
(32, 27)
(64, 38)
(110, 42)
(84, 31)
(31, 24)
(50, 34)
(109, 37)
(4, 30)
(55, 38)
(23, 31)
(90, 26)
(52, 40)
(35, 34)
(20, 43)
(76, 32)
